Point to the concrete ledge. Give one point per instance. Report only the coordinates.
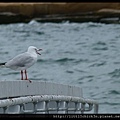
(36, 9)
(52, 12)
(22, 88)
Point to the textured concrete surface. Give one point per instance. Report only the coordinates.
(36, 9)
(56, 12)
(23, 88)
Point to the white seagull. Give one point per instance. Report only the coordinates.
(23, 61)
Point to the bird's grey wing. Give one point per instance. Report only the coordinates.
(21, 60)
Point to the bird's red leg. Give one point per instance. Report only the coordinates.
(26, 77)
(21, 75)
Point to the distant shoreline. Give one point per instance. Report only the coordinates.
(56, 12)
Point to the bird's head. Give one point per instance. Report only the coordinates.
(34, 49)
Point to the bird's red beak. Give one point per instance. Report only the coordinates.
(37, 51)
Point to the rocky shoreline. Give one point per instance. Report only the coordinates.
(58, 12)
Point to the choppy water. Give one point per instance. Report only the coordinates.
(81, 54)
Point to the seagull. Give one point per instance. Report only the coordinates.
(23, 61)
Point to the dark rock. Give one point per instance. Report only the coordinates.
(8, 17)
(110, 20)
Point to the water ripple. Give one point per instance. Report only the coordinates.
(64, 60)
(115, 73)
(113, 92)
(98, 64)
(100, 46)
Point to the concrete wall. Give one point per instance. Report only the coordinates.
(41, 8)
(57, 12)
(23, 87)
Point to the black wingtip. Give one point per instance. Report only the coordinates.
(2, 63)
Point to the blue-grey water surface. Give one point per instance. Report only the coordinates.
(80, 54)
